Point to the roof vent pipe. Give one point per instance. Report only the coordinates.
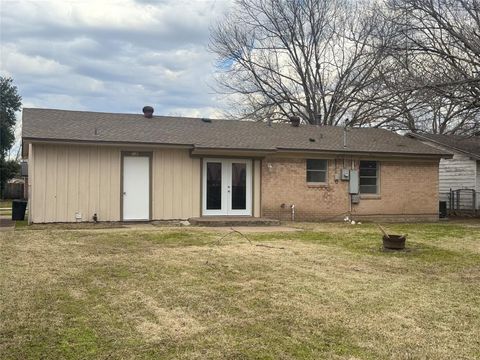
(148, 112)
(345, 134)
(295, 121)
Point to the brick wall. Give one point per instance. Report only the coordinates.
(408, 191)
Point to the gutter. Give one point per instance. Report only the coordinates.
(370, 153)
(104, 142)
(194, 150)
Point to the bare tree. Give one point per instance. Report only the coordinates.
(436, 59)
(403, 103)
(310, 58)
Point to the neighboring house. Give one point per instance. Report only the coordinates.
(463, 170)
(130, 167)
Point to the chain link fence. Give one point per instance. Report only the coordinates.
(460, 202)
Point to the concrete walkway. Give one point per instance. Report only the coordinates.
(224, 221)
(253, 229)
(245, 229)
(151, 227)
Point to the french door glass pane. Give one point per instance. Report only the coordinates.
(239, 186)
(214, 186)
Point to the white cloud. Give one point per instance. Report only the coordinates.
(16, 62)
(111, 55)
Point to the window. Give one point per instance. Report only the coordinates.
(317, 171)
(368, 177)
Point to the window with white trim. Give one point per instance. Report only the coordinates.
(317, 171)
(369, 177)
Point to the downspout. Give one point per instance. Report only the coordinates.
(352, 167)
(30, 183)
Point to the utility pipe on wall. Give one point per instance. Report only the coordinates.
(293, 211)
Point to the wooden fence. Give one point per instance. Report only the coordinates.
(14, 191)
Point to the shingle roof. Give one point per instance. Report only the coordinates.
(469, 145)
(48, 124)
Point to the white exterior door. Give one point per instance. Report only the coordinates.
(227, 187)
(136, 188)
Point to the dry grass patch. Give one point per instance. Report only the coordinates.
(326, 292)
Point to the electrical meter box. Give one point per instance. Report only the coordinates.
(354, 183)
(24, 169)
(345, 175)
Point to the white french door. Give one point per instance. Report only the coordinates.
(227, 187)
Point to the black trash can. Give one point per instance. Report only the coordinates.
(18, 209)
(442, 209)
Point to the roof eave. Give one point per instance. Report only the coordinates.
(419, 136)
(103, 142)
(204, 150)
(384, 153)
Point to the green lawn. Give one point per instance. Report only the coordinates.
(6, 207)
(327, 292)
(5, 203)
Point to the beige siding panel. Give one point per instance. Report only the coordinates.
(256, 188)
(157, 182)
(92, 187)
(114, 195)
(31, 178)
(86, 179)
(36, 204)
(196, 187)
(103, 161)
(187, 187)
(73, 182)
(180, 189)
(167, 193)
(176, 185)
(51, 183)
(61, 193)
(83, 182)
(71, 179)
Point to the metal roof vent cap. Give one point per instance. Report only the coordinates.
(295, 121)
(148, 112)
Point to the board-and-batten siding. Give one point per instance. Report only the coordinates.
(176, 185)
(67, 179)
(86, 179)
(74, 179)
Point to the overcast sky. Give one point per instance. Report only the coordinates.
(114, 56)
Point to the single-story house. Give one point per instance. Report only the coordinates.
(462, 171)
(126, 167)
